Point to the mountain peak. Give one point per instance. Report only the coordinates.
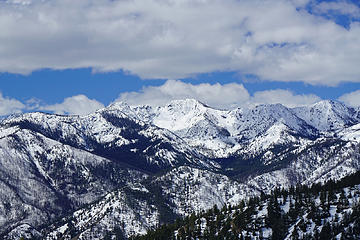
(329, 104)
(188, 103)
(327, 115)
(118, 105)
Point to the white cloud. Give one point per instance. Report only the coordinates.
(341, 7)
(75, 105)
(284, 97)
(222, 96)
(178, 38)
(227, 96)
(216, 95)
(300, 3)
(351, 99)
(9, 106)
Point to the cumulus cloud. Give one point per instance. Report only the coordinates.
(225, 96)
(352, 99)
(284, 97)
(75, 105)
(215, 95)
(172, 39)
(9, 106)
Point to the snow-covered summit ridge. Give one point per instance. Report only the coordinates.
(218, 133)
(113, 128)
(212, 132)
(318, 115)
(328, 115)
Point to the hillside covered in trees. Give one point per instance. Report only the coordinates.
(329, 211)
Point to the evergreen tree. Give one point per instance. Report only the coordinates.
(326, 232)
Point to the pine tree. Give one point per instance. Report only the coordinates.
(275, 219)
(295, 234)
(326, 232)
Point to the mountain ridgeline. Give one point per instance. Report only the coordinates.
(125, 169)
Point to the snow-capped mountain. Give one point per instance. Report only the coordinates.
(124, 169)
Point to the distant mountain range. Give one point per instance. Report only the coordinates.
(125, 169)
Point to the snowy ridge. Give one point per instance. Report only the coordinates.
(328, 115)
(217, 133)
(313, 164)
(110, 128)
(116, 209)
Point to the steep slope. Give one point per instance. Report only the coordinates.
(331, 211)
(186, 190)
(122, 213)
(140, 206)
(193, 190)
(42, 178)
(199, 125)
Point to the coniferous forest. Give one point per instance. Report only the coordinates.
(329, 211)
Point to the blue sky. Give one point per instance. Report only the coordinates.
(52, 86)
(74, 57)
